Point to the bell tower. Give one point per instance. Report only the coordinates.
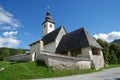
(48, 25)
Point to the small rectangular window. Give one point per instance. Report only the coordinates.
(75, 53)
(51, 25)
(95, 51)
(44, 26)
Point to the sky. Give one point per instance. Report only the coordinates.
(21, 20)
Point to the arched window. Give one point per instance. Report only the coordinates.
(51, 25)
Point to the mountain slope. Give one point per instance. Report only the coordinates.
(116, 41)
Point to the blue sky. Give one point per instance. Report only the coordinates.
(20, 20)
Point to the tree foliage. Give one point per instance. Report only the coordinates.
(111, 51)
(5, 52)
(105, 47)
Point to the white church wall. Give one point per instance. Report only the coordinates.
(86, 52)
(51, 28)
(97, 60)
(51, 47)
(102, 59)
(35, 49)
(59, 37)
(47, 28)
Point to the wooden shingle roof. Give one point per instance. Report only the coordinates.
(76, 40)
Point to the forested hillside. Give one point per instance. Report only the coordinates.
(111, 51)
(5, 52)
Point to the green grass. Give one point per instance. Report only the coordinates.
(32, 70)
(113, 65)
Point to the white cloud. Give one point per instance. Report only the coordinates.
(108, 37)
(8, 22)
(11, 33)
(6, 28)
(25, 33)
(8, 19)
(8, 39)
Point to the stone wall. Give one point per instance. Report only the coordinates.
(21, 57)
(65, 62)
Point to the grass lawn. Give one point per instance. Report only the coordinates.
(30, 70)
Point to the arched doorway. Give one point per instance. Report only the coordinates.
(34, 56)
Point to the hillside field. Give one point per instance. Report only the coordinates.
(33, 70)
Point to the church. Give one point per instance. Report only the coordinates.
(62, 50)
(77, 44)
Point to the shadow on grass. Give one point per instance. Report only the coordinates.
(40, 63)
(16, 62)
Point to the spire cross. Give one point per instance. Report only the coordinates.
(48, 8)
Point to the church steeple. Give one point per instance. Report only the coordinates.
(48, 24)
(48, 18)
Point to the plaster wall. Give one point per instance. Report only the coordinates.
(51, 47)
(97, 60)
(47, 28)
(86, 52)
(35, 50)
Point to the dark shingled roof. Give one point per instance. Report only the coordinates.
(50, 37)
(75, 40)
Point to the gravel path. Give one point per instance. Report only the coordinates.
(108, 74)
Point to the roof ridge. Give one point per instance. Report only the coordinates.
(86, 33)
(53, 31)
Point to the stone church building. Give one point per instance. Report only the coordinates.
(62, 50)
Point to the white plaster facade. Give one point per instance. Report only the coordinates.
(35, 49)
(86, 52)
(51, 47)
(47, 27)
(97, 60)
